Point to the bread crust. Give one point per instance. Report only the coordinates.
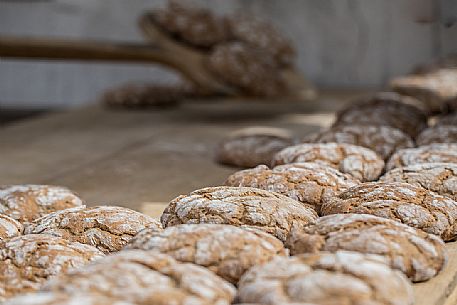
(326, 278)
(270, 212)
(9, 228)
(432, 153)
(403, 202)
(357, 161)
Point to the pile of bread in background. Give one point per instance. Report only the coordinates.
(240, 51)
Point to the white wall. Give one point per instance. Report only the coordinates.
(341, 43)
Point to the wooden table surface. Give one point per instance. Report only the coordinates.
(143, 159)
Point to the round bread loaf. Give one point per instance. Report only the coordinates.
(359, 162)
(226, 250)
(440, 178)
(252, 146)
(253, 71)
(310, 183)
(437, 134)
(50, 298)
(384, 109)
(28, 202)
(406, 203)
(145, 277)
(197, 27)
(326, 278)
(107, 228)
(417, 254)
(9, 228)
(263, 35)
(383, 140)
(433, 153)
(270, 212)
(27, 261)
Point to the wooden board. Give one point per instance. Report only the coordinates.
(142, 160)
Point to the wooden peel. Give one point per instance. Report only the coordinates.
(164, 50)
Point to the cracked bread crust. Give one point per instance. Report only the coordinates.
(49, 298)
(226, 250)
(197, 27)
(254, 71)
(28, 202)
(108, 228)
(359, 162)
(270, 212)
(437, 134)
(252, 146)
(440, 178)
(326, 278)
(384, 109)
(383, 140)
(417, 254)
(433, 153)
(309, 183)
(263, 35)
(9, 228)
(27, 261)
(403, 202)
(146, 277)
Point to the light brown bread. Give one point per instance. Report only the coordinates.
(309, 183)
(417, 254)
(253, 71)
(226, 250)
(432, 153)
(9, 228)
(357, 161)
(270, 212)
(146, 277)
(107, 228)
(403, 202)
(384, 109)
(440, 178)
(28, 202)
(27, 261)
(437, 134)
(383, 140)
(252, 146)
(434, 88)
(263, 35)
(326, 278)
(195, 26)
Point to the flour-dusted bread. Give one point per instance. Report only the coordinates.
(9, 228)
(406, 203)
(309, 183)
(51, 298)
(417, 254)
(28, 202)
(434, 88)
(226, 250)
(263, 35)
(326, 278)
(252, 146)
(384, 109)
(270, 212)
(437, 134)
(251, 70)
(145, 277)
(27, 261)
(357, 161)
(440, 178)
(383, 140)
(107, 228)
(432, 153)
(195, 26)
